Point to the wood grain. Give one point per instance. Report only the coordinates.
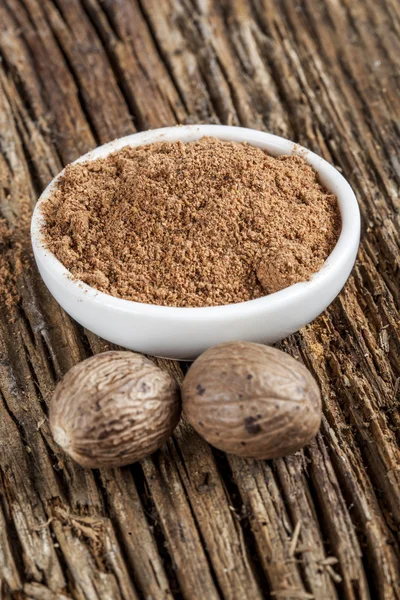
(190, 522)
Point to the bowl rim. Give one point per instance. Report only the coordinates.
(278, 146)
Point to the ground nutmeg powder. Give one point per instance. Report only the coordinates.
(197, 224)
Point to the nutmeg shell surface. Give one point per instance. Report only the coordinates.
(252, 400)
(114, 409)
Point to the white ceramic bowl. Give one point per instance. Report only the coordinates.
(183, 333)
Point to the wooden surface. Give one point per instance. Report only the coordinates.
(191, 523)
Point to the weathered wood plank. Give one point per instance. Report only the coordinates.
(78, 73)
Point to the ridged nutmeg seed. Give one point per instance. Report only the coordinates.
(114, 409)
(252, 400)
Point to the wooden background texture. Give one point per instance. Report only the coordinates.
(190, 522)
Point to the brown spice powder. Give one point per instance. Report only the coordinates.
(10, 265)
(197, 224)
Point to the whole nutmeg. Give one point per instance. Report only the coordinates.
(113, 409)
(251, 400)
